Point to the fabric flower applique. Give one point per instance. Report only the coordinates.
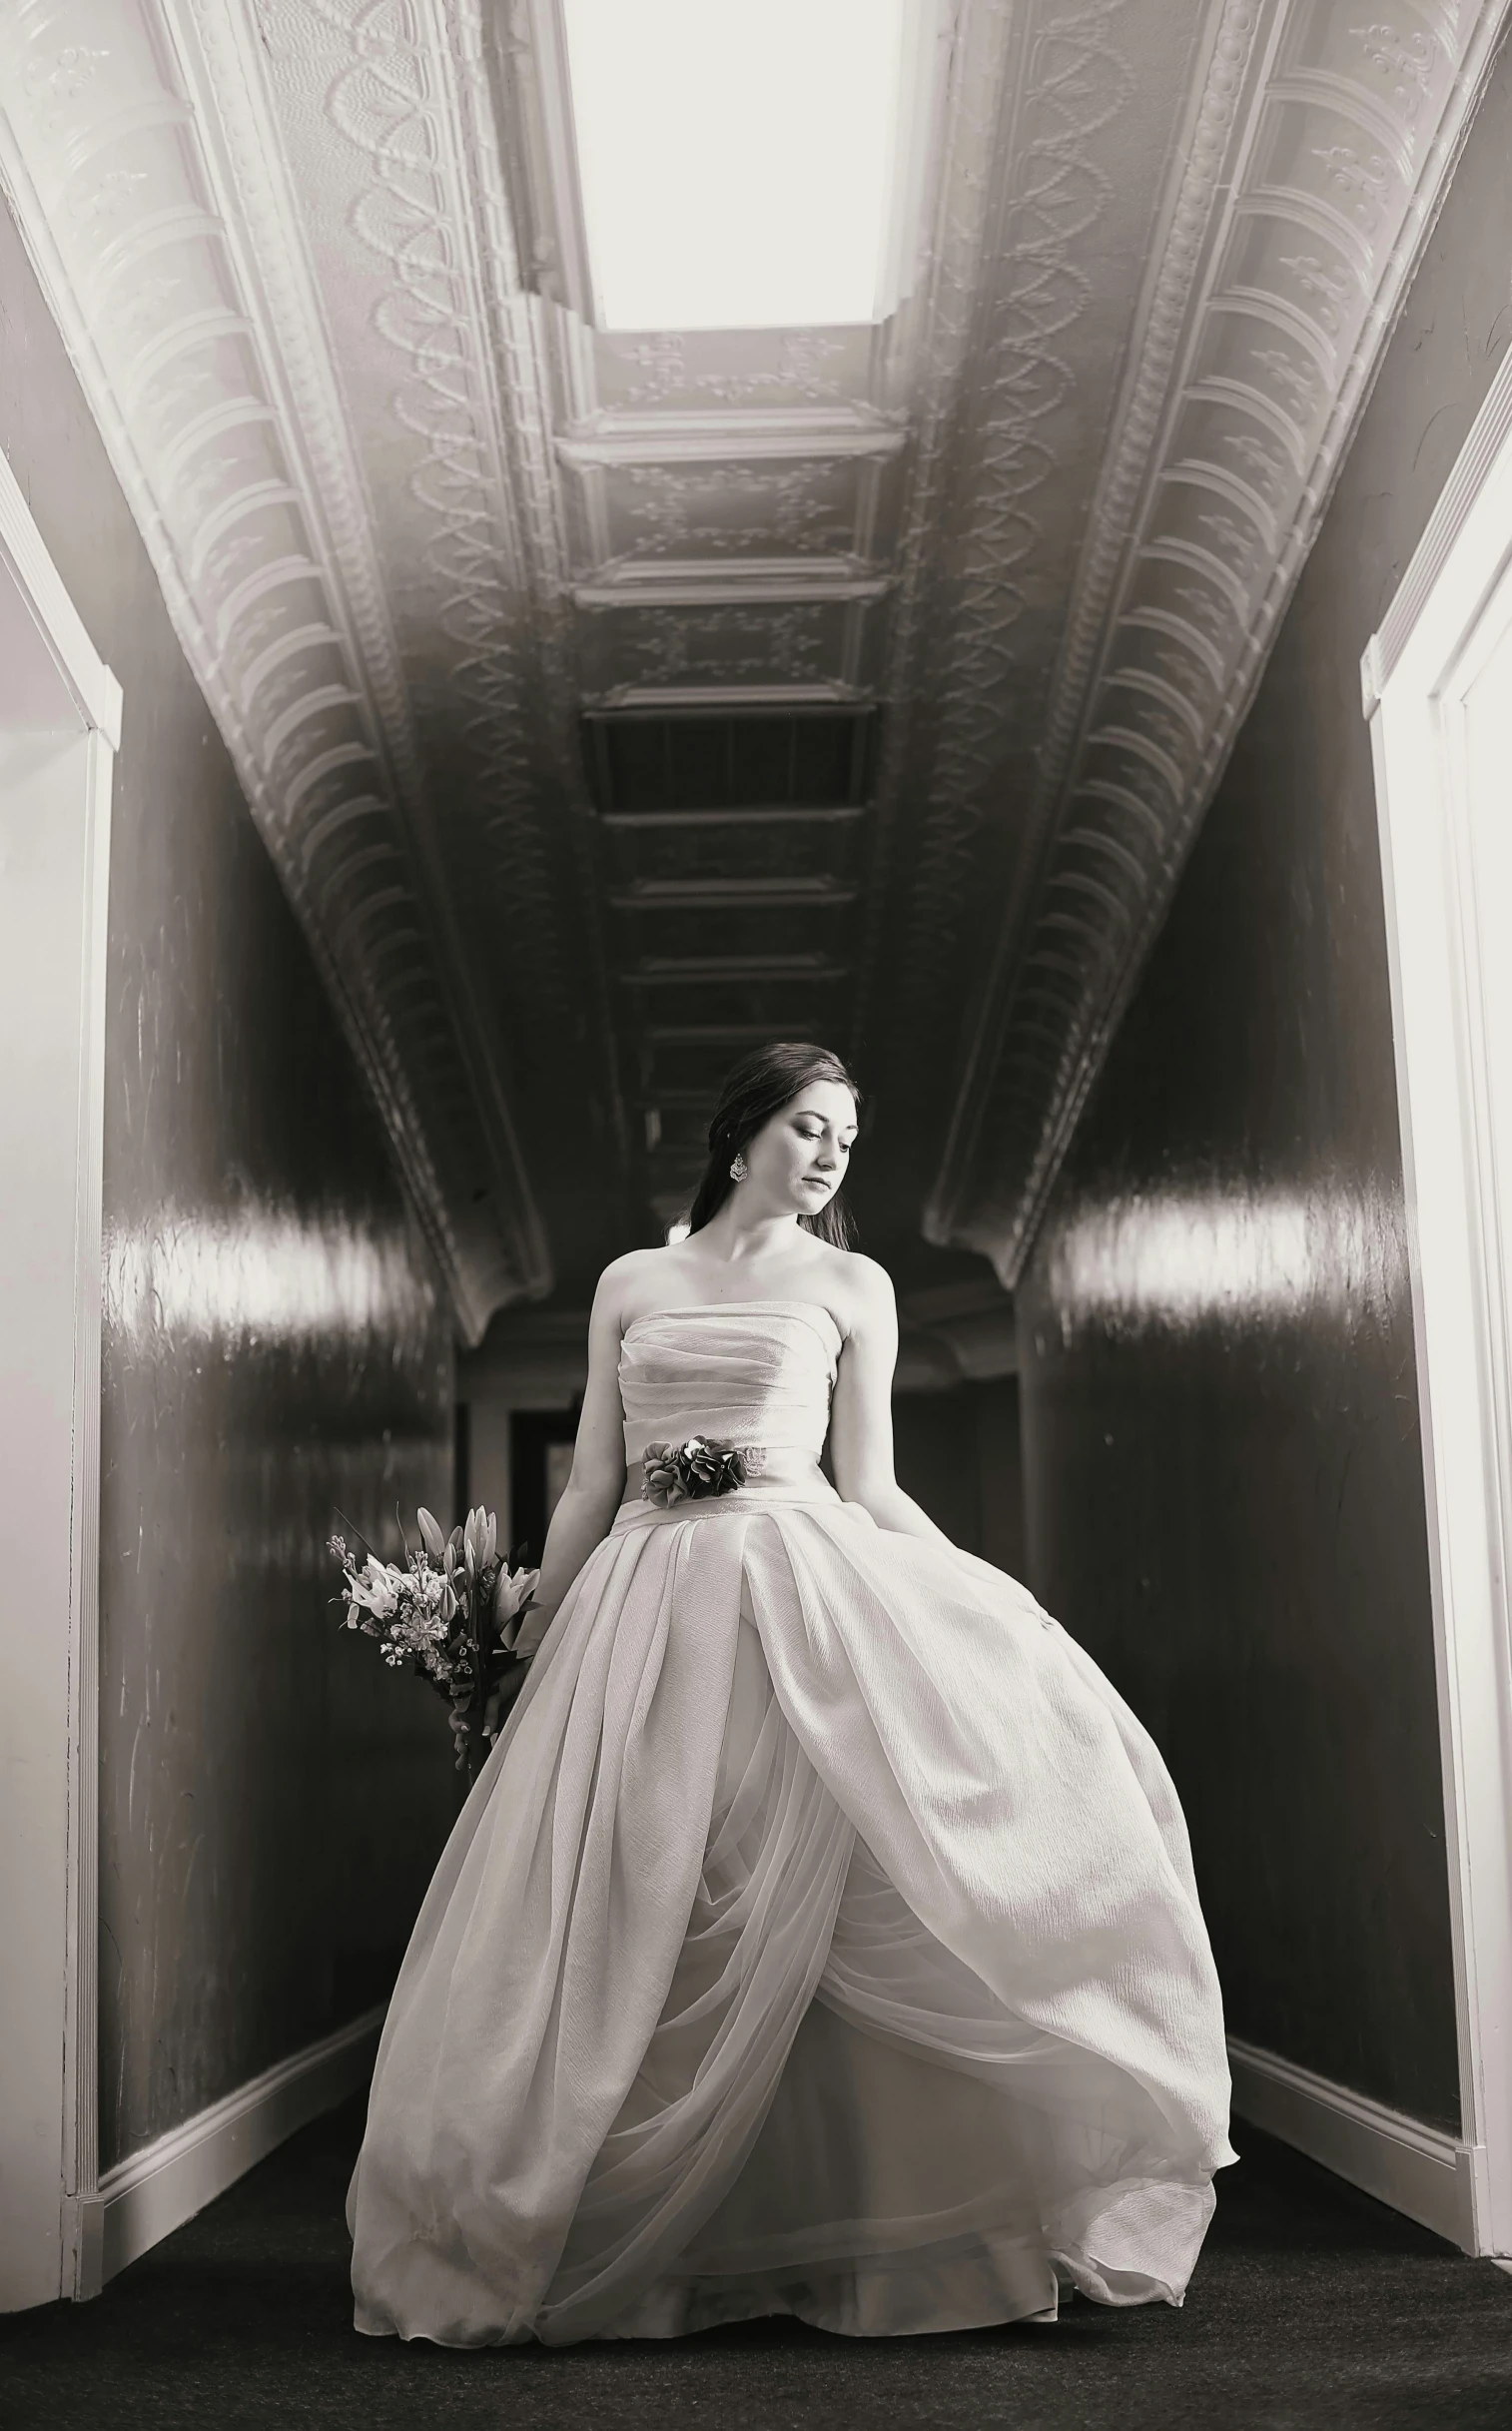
(697, 1469)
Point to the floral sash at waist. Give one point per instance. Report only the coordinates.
(697, 1469)
(811, 1492)
(787, 1475)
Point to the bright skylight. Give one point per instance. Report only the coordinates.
(735, 157)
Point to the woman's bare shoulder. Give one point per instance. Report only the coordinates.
(863, 1290)
(625, 1281)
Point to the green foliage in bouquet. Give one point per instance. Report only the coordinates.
(452, 1612)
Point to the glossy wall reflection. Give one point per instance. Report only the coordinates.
(1222, 1455)
(272, 1801)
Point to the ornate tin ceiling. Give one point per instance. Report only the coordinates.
(610, 702)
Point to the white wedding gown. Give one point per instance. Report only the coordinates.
(821, 1936)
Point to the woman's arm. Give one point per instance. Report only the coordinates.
(861, 1415)
(584, 1516)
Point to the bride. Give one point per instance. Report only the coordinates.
(820, 1936)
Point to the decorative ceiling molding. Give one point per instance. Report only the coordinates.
(471, 533)
(613, 380)
(442, 553)
(1031, 87)
(1319, 145)
(144, 170)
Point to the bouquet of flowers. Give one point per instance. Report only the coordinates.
(452, 1612)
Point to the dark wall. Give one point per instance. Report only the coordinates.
(958, 1454)
(272, 1801)
(1224, 1465)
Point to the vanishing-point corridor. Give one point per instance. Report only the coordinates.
(479, 653)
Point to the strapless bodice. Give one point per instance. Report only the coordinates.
(750, 1371)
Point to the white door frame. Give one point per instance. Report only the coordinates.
(1453, 605)
(60, 714)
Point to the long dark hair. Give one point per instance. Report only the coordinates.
(758, 1088)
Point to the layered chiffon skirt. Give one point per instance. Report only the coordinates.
(821, 1937)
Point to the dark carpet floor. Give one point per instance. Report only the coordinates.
(1312, 2308)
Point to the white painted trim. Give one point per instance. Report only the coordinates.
(81, 2099)
(713, 700)
(145, 2198)
(1417, 672)
(1473, 467)
(566, 271)
(89, 692)
(93, 688)
(817, 583)
(1420, 2170)
(781, 435)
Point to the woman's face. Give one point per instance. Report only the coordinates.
(798, 1160)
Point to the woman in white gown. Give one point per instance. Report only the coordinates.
(820, 1936)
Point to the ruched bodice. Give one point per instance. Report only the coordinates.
(746, 1372)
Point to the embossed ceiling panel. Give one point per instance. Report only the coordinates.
(744, 517)
(814, 644)
(749, 847)
(612, 702)
(728, 920)
(702, 371)
(773, 991)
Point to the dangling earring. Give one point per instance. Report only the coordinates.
(739, 1169)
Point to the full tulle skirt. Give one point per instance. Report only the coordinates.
(820, 1939)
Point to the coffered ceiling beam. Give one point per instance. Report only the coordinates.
(730, 438)
(761, 815)
(697, 969)
(766, 894)
(677, 587)
(714, 700)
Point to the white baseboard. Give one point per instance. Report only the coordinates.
(1423, 2172)
(147, 2197)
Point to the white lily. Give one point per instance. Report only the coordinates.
(513, 1592)
(375, 1587)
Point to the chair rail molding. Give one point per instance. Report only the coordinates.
(1318, 145)
(145, 171)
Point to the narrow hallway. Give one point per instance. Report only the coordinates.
(605, 604)
(1315, 2305)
